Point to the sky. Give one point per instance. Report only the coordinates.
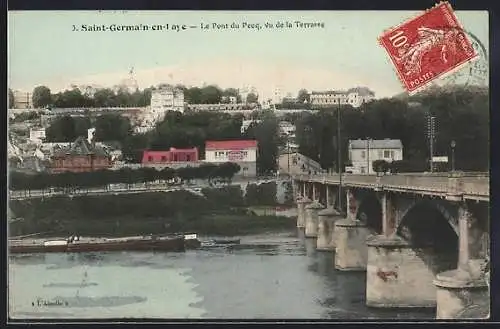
(43, 49)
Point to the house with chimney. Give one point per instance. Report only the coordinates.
(83, 155)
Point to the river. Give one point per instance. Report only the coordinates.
(269, 276)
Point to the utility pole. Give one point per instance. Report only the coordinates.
(288, 153)
(453, 144)
(368, 154)
(431, 131)
(339, 159)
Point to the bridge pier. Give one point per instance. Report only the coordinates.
(302, 202)
(312, 209)
(466, 286)
(326, 229)
(396, 276)
(351, 233)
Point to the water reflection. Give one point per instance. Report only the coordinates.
(266, 276)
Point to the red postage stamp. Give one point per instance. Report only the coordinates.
(427, 47)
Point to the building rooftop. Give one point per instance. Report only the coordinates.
(230, 145)
(376, 144)
(81, 147)
(362, 91)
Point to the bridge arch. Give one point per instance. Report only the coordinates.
(370, 212)
(449, 214)
(431, 230)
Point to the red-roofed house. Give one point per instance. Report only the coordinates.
(172, 155)
(242, 152)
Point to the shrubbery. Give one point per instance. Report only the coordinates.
(42, 181)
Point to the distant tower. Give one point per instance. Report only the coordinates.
(130, 83)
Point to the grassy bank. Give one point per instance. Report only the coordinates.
(222, 211)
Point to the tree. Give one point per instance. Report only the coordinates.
(133, 147)
(193, 95)
(63, 129)
(303, 96)
(267, 136)
(41, 97)
(380, 166)
(461, 114)
(112, 127)
(211, 95)
(11, 100)
(105, 98)
(72, 98)
(252, 98)
(232, 92)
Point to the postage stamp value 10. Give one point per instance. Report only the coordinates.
(428, 47)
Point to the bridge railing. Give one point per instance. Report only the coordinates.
(416, 182)
(476, 185)
(457, 183)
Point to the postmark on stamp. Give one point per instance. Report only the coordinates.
(428, 47)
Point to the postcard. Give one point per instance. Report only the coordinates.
(307, 165)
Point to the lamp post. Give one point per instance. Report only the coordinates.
(453, 144)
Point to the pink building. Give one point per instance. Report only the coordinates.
(172, 155)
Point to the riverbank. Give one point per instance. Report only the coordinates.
(221, 211)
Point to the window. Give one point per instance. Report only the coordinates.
(363, 154)
(163, 158)
(362, 170)
(392, 154)
(387, 154)
(150, 158)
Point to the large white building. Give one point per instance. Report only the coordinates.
(354, 97)
(242, 152)
(164, 99)
(362, 153)
(22, 100)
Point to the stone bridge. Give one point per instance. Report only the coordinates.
(423, 239)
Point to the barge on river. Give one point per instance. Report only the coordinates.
(141, 243)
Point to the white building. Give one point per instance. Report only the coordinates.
(90, 134)
(37, 135)
(354, 97)
(229, 99)
(22, 100)
(242, 152)
(362, 153)
(165, 99)
(287, 128)
(245, 124)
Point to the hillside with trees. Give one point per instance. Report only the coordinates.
(461, 115)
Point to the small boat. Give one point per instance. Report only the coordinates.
(147, 243)
(191, 241)
(227, 241)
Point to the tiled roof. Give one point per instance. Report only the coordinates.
(230, 145)
(376, 144)
(362, 91)
(81, 147)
